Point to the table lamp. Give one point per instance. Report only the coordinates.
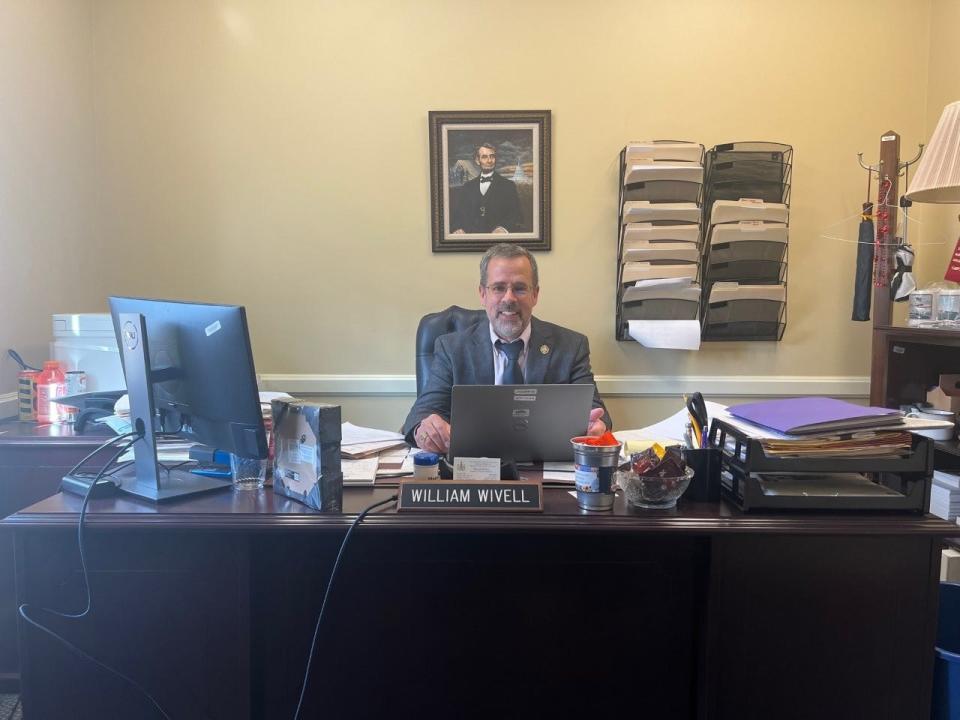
(937, 179)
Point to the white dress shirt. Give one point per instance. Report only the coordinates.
(500, 358)
(484, 186)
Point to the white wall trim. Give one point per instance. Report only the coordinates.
(9, 405)
(609, 385)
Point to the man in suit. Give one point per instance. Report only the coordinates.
(487, 204)
(511, 348)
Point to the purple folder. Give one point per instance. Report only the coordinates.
(806, 415)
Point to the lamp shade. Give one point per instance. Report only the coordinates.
(937, 179)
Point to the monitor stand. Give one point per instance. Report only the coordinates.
(146, 478)
(173, 484)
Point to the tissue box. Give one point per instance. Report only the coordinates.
(306, 463)
(946, 396)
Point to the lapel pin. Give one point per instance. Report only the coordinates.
(544, 349)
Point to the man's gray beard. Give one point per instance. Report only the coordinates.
(508, 329)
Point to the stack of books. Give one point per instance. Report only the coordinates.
(945, 495)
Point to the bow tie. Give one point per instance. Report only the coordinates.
(486, 179)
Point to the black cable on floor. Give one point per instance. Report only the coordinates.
(326, 595)
(86, 581)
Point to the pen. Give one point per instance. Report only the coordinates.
(212, 472)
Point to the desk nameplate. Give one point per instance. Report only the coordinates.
(470, 495)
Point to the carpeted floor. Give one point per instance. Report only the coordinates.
(7, 705)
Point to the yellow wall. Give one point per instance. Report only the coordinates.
(48, 261)
(275, 155)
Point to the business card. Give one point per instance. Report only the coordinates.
(467, 468)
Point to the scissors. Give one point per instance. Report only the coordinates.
(697, 409)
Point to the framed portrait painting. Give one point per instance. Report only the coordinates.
(489, 179)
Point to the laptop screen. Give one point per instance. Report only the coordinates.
(523, 423)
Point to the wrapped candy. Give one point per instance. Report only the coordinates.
(658, 461)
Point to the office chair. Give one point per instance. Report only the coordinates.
(434, 325)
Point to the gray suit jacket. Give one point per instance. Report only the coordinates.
(555, 355)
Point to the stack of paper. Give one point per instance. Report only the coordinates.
(396, 462)
(558, 474)
(360, 442)
(369, 453)
(869, 436)
(871, 443)
(945, 495)
(825, 485)
(266, 409)
(169, 452)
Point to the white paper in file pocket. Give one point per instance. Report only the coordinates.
(644, 211)
(645, 232)
(678, 251)
(666, 170)
(663, 150)
(633, 271)
(748, 232)
(729, 211)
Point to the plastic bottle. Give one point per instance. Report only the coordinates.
(426, 466)
(52, 383)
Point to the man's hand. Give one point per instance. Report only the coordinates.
(500, 229)
(433, 434)
(596, 426)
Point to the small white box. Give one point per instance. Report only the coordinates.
(949, 565)
(87, 342)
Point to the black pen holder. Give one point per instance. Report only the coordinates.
(705, 485)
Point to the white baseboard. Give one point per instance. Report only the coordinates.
(609, 385)
(8, 405)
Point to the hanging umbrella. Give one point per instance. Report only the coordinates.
(863, 280)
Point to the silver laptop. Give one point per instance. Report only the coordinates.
(524, 423)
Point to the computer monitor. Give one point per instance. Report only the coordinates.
(189, 369)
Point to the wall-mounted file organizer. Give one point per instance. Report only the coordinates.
(661, 303)
(660, 232)
(738, 311)
(746, 221)
(758, 170)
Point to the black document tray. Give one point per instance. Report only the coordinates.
(743, 462)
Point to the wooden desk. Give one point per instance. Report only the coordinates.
(32, 460)
(701, 612)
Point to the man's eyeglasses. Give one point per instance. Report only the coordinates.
(500, 289)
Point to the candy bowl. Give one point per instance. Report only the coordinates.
(653, 492)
